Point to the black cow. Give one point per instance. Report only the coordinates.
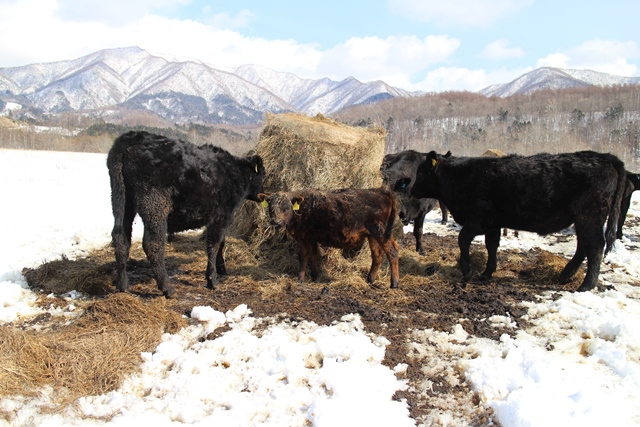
(175, 186)
(339, 219)
(633, 184)
(543, 193)
(405, 164)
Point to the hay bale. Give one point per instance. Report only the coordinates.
(492, 152)
(301, 152)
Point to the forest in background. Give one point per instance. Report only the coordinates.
(605, 119)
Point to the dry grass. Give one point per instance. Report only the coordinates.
(301, 152)
(90, 356)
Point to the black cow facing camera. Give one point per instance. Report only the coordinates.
(411, 210)
(543, 193)
(175, 186)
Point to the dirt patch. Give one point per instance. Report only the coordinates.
(431, 295)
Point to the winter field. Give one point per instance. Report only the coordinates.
(578, 363)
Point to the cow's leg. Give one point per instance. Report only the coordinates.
(573, 265)
(391, 250)
(626, 202)
(304, 252)
(491, 242)
(376, 259)
(591, 239)
(221, 268)
(215, 244)
(418, 226)
(154, 211)
(464, 242)
(445, 214)
(315, 261)
(121, 242)
(153, 241)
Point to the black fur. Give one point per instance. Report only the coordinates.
(633, 184)
(175, 186)
(405, 164)
(543, 193)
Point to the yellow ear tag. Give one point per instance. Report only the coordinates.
(296, 206)
(264, 204)
(433, 162)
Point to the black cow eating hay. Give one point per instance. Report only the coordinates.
(543, 193)
(175, 186)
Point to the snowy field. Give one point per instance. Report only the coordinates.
(579, 364)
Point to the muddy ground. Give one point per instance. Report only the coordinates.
(431, 295)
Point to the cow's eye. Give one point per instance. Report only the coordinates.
(402, 185)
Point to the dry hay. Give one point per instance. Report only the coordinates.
(89, 356)
(492, 152)
(431, 294)
(301, 152)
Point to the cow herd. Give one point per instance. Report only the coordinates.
(174, 186)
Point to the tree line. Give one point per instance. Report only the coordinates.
(604, 119)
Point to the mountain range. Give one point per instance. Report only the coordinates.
(178, 90)
(555, 78)
(188, 90)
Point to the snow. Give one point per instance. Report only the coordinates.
(578, 363)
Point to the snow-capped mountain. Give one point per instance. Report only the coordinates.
(179, 90)
(555, 78)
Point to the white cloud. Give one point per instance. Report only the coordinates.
(459, 78)
(227, 21)
(607, 56)
(499, 50)
(465, 13)
(393, 59)
(113, 12)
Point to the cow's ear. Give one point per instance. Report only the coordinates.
(432, 159)
(262, 198)
(448, 154)
(256, 162)
(296, 201)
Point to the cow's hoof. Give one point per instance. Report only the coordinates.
(169, 293)
(585, 287)
(422, 252)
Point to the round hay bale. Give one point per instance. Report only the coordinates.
(302, 152)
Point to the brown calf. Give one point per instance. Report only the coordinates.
(339, 219)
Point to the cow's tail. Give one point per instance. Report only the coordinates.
(115, 162)
(616, 203)
(388, 232)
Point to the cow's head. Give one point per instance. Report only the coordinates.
(281, 207)
(256, 177)
(400, 166)
(425, 185)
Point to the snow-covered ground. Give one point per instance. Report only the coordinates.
(579, 364)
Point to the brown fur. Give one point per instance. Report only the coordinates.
(340, 219)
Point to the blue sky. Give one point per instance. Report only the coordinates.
(430, 45)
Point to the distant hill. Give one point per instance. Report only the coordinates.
(177, 90)
(555, 78)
